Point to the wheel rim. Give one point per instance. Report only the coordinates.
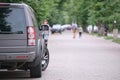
(45, 60)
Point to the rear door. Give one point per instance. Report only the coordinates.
(13, 35)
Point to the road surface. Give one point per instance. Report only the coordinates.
(85, 58)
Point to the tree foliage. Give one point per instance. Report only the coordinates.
(84, 12)
(43, 8)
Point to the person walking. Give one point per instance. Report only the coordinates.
(74, 29)
(80, 30)
(45, 28)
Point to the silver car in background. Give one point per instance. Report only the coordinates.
(56, 29)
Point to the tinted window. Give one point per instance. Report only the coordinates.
(33, 17)
(12, 20)
(44, 27)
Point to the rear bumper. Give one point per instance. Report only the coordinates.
(17, 57)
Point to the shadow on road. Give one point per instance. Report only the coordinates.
(14, 75)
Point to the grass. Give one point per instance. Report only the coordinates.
(111, 38)
(116, 40)
(108, 38)
(96, 34)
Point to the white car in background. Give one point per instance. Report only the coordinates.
(89, 28)
(56, 29)
(67, 26)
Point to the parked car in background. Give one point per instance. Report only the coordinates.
(67, 26)
(56, 29)
(21, 46)
(89, 29)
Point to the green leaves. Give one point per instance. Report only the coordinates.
(83, 12)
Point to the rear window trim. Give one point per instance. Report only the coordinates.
(12, 7)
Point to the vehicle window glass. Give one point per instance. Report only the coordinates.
(12, 20)
(33, 18)
(45, 27)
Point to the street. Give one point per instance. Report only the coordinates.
(85, 58)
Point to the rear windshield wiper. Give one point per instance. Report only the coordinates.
(6, 32)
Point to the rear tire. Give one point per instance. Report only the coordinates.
(36, 72)
(52, 32)
(45, 59)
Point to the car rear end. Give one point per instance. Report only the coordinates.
(17, 39)
(56, 28)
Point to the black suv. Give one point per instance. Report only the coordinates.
(21, 46)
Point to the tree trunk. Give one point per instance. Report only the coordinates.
(84, 28)
(115, 33)
(101, 29)
(92, 28)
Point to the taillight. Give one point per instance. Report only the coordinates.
(4, 4)
(31, 36)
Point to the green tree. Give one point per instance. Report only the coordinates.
(84, 12)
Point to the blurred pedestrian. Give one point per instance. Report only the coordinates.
(106, 28)
(74, 29)
(80, 30)
(45, 29)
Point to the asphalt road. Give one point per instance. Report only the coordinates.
(85, 58)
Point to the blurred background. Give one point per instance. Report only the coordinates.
(95, 16)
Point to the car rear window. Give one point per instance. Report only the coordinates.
(44, 27)
(12, 20)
